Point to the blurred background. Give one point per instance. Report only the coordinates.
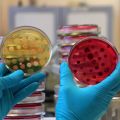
(10, 18)
(49, 15)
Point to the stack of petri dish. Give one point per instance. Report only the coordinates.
(91, 59)
(56, 90)
(31, 108)
(69, 35)
(29, 49)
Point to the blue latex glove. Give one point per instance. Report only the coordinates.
(13, 88)
(88, 103)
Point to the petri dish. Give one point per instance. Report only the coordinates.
(36, 97)
(65, 49)
(27, 48)
(41, 86)
(23, 116)
(66, 44)
(71, 40)
(92, 60)
(76, 38)
(28, 110)
(73, 30)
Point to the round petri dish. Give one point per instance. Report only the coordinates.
(66, 44)
(22, 117)
(27, 105)
(28, 111)
(36, 97)
(41, 86)
(27, 48)
(65, 49)
(92, 60)
(74, 30)
(76, 38)
(71, 40)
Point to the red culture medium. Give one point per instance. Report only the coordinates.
(92, 60)
(32, 117)
(82, 28)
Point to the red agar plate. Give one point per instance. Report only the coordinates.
(92, 60)
(78, 29)
(25, 117)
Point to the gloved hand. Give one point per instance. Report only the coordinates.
(88, 103)
(14, 88)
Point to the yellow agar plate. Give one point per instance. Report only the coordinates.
(26, 48)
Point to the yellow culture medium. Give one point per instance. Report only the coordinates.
(26, 48)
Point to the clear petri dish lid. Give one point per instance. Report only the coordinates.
(78, 29)
(41, 87)
(72, 39)
(27, 48)
(28, 105)
(36, 98)
(77, 33)
(64, 54)
(76, 38)
(67, 44)
(37, 93)
(21, 117)
(26, 111)
(64, 49)
(92, 60)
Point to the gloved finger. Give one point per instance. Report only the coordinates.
(38, 77)
(3, 69)
(112, 80)
(11, 80)
(99, 117)
(27, 91)
(1, 93)
(116, 89)
(66, 77)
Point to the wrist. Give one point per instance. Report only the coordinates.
(1, 118)
(71, 118)
(61, 118)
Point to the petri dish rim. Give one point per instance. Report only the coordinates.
(103, 39)
(23, 28)
(82, 26)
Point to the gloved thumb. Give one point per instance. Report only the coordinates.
(66, 77)
(112, 80)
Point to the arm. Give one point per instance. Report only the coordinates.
(88, 103)
(14, 88)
